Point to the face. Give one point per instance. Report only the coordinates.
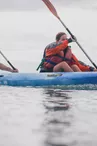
(62, 38)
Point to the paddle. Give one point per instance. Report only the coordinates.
(7, 61)
(54, 12)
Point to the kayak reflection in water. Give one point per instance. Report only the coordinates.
(58, 57)
(6, 68)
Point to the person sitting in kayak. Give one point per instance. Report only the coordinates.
(59, 57)
(6, 68)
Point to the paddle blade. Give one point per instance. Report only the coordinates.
(51, 8)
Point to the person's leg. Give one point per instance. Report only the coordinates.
(62, 66)
(75, 68)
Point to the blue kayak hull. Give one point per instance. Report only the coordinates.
(48, 79)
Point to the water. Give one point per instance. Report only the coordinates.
(51, 116)
(46, 117)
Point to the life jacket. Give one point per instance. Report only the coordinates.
(52, 60)
(83, 67)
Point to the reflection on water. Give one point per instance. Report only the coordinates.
(56, 100)
(56, 93)
(58, 119)
(70, 117)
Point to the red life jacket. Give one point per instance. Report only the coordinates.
(53, 60)
(83, 67)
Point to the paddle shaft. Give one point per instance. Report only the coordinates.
(7, 61)
(78, 43)
(54, 12)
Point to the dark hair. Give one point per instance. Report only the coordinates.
(58, 36)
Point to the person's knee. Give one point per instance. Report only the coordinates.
(75, 68)
(64, 63)
(74, 65)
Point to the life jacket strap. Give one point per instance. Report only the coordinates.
(41, 63)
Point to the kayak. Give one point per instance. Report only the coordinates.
(48, 79)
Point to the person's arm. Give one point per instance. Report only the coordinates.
(57, 49)
(83, 67)
(86, 67)
(6, 68)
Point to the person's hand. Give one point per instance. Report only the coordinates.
(15, 70)
(95, 70)
(72, 39)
